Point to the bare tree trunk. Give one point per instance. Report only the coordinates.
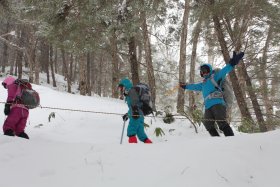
(55, 61)
(82, 74)
(88, 73)
(133, 60)
(5, 48)
(31, 56)
(210, 45)
(233, 78)
(71, 68)
(19, 54)
(44, 58)
(30, 53)
(92, 74)
(52, 67)
(263, 83)
(148, 58)
(196, 33)
(275, 83)
(182, 61)
(75, 71)
(99, 78)
(115, 64)
(66, 74)
(242, 28)
(253, 98)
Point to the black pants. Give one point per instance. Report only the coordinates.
(217, 113)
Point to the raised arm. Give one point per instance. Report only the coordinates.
(230, 66)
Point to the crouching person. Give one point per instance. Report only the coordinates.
(16, 112)
(135, 114)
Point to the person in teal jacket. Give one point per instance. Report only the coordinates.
(215, 106)
(135, 115)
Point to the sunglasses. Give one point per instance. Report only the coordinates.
(204, 71)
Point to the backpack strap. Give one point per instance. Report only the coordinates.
(134, 96)
(215, 94)
(215, 83)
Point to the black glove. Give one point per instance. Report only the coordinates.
(135, 112)
(236, 58)
(7, 109)
(125, 117)
(183, 85)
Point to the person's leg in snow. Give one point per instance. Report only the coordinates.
(15, 123)
(136, 128)
(11, 121)
(220, 115)
(209, 122)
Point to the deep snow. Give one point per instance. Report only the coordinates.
(82, 149)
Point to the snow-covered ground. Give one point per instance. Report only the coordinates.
(82, 149)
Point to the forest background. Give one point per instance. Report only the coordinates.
(95, 43)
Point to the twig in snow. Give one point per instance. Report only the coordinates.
(222, 176)
(183, 171)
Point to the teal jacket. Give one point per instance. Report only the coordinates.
(207, 87)
(135, 126)
(132, 97)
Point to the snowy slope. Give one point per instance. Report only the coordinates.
(82, 149)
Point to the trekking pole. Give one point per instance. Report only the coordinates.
(122, 131)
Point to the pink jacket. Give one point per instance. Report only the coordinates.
(13, 91)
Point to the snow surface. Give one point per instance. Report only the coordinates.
(82, 149)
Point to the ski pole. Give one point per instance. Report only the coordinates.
(122, 131)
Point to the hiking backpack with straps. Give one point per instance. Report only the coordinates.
(225, 88)
(144, 93)
(26, 95)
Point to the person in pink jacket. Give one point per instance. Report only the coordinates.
(16, 112)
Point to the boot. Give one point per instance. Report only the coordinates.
(9, 132)
(213, 132)
(148, 141)
(23, 135)
(228, 131)
(132, 139)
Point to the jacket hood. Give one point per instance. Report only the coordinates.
(8, 81)
(126, 83)
(210, 68)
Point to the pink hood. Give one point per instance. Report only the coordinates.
(8, 81)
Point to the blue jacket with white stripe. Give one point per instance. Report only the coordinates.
(207, 87)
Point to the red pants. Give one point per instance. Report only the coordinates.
(16, 120)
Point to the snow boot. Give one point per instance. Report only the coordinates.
(9, 132)
(228, 131)
(213, 132)
(132, 139)
(23, 135)
(148, 141)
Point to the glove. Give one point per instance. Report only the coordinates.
(183, 85)
(236, 58)
(125, 117)
(7, 109)
(135, 112)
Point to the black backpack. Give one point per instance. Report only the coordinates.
(144, 93)
(27, 96)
